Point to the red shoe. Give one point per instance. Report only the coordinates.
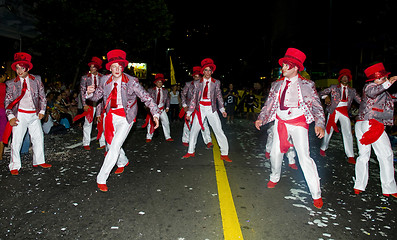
(267, 155)
(185, 144)
(43, 165)
(102, 147)
(148, 140)
(106, 153)
(210, 145)
(169, 140)
(188, 155)
(322, 153)
(351, 160)
(356, 191)
(318, 203)
(120, 170)
(86, 147)
(103, 187)
(271, 184)
(225, 158)
(14, 172)
(293, 166)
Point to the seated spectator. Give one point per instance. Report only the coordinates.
(51, 123)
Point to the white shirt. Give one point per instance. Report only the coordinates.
(209, 87)
(292, 97)
(161, 103)
(342, 104)
(119, 100)
(26, 103)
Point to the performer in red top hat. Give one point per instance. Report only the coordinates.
(90, 107)
(207, 93)
(186, 97)
(338, 108)
(25, 104)
(376, 111)
(163, 103)
(119, 91)
(293, 103)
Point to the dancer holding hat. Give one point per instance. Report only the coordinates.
(338, 108)
(207, 93)
(25, 104)
(376, 111)
(293, 103)
(119, 91)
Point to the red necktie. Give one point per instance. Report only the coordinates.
(158, 96)
(282, 98)
(344, 97)
(205, 94)
(24, 87)
(95, 83)
(113, 95)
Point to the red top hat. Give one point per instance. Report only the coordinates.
(22, 57)
(295, 56)
(196, 70)
(159, 77)
(116, 56)
(96, 62)
(208, 62)
(345, 72)
(375, 72)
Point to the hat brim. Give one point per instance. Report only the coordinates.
(212, 66)
(299, 64)
(373, 79)
(116, 61)
(13, 66)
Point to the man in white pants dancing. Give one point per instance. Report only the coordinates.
(186, 97)
(120, 92)
(376, 111)
(293, 103)
(207, 93)
(339, 99)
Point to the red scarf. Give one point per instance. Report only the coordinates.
(331, 120)
(374, 132)
(283, 132)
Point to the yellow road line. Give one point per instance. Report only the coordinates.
(231, 225)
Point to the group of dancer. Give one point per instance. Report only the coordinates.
(293, 103)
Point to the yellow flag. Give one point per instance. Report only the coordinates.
(173, 81)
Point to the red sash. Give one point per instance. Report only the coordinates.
(89, 114)
(331, 120)
(8, 128)
(374, 132)
(149, 119)
(283, 133)
(109, 128)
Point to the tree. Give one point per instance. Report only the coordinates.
(72, 31)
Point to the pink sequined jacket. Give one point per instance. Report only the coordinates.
(308, 100)
(376, 104)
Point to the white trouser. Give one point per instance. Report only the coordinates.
(346, 133)
(269, 143)
(165, 123)
(87, 128)
(216, 125)
(300, 140)
(384, 153)
(115, 153)
(206, 133)
(32, 123)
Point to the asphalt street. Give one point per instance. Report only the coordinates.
(161, 196)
